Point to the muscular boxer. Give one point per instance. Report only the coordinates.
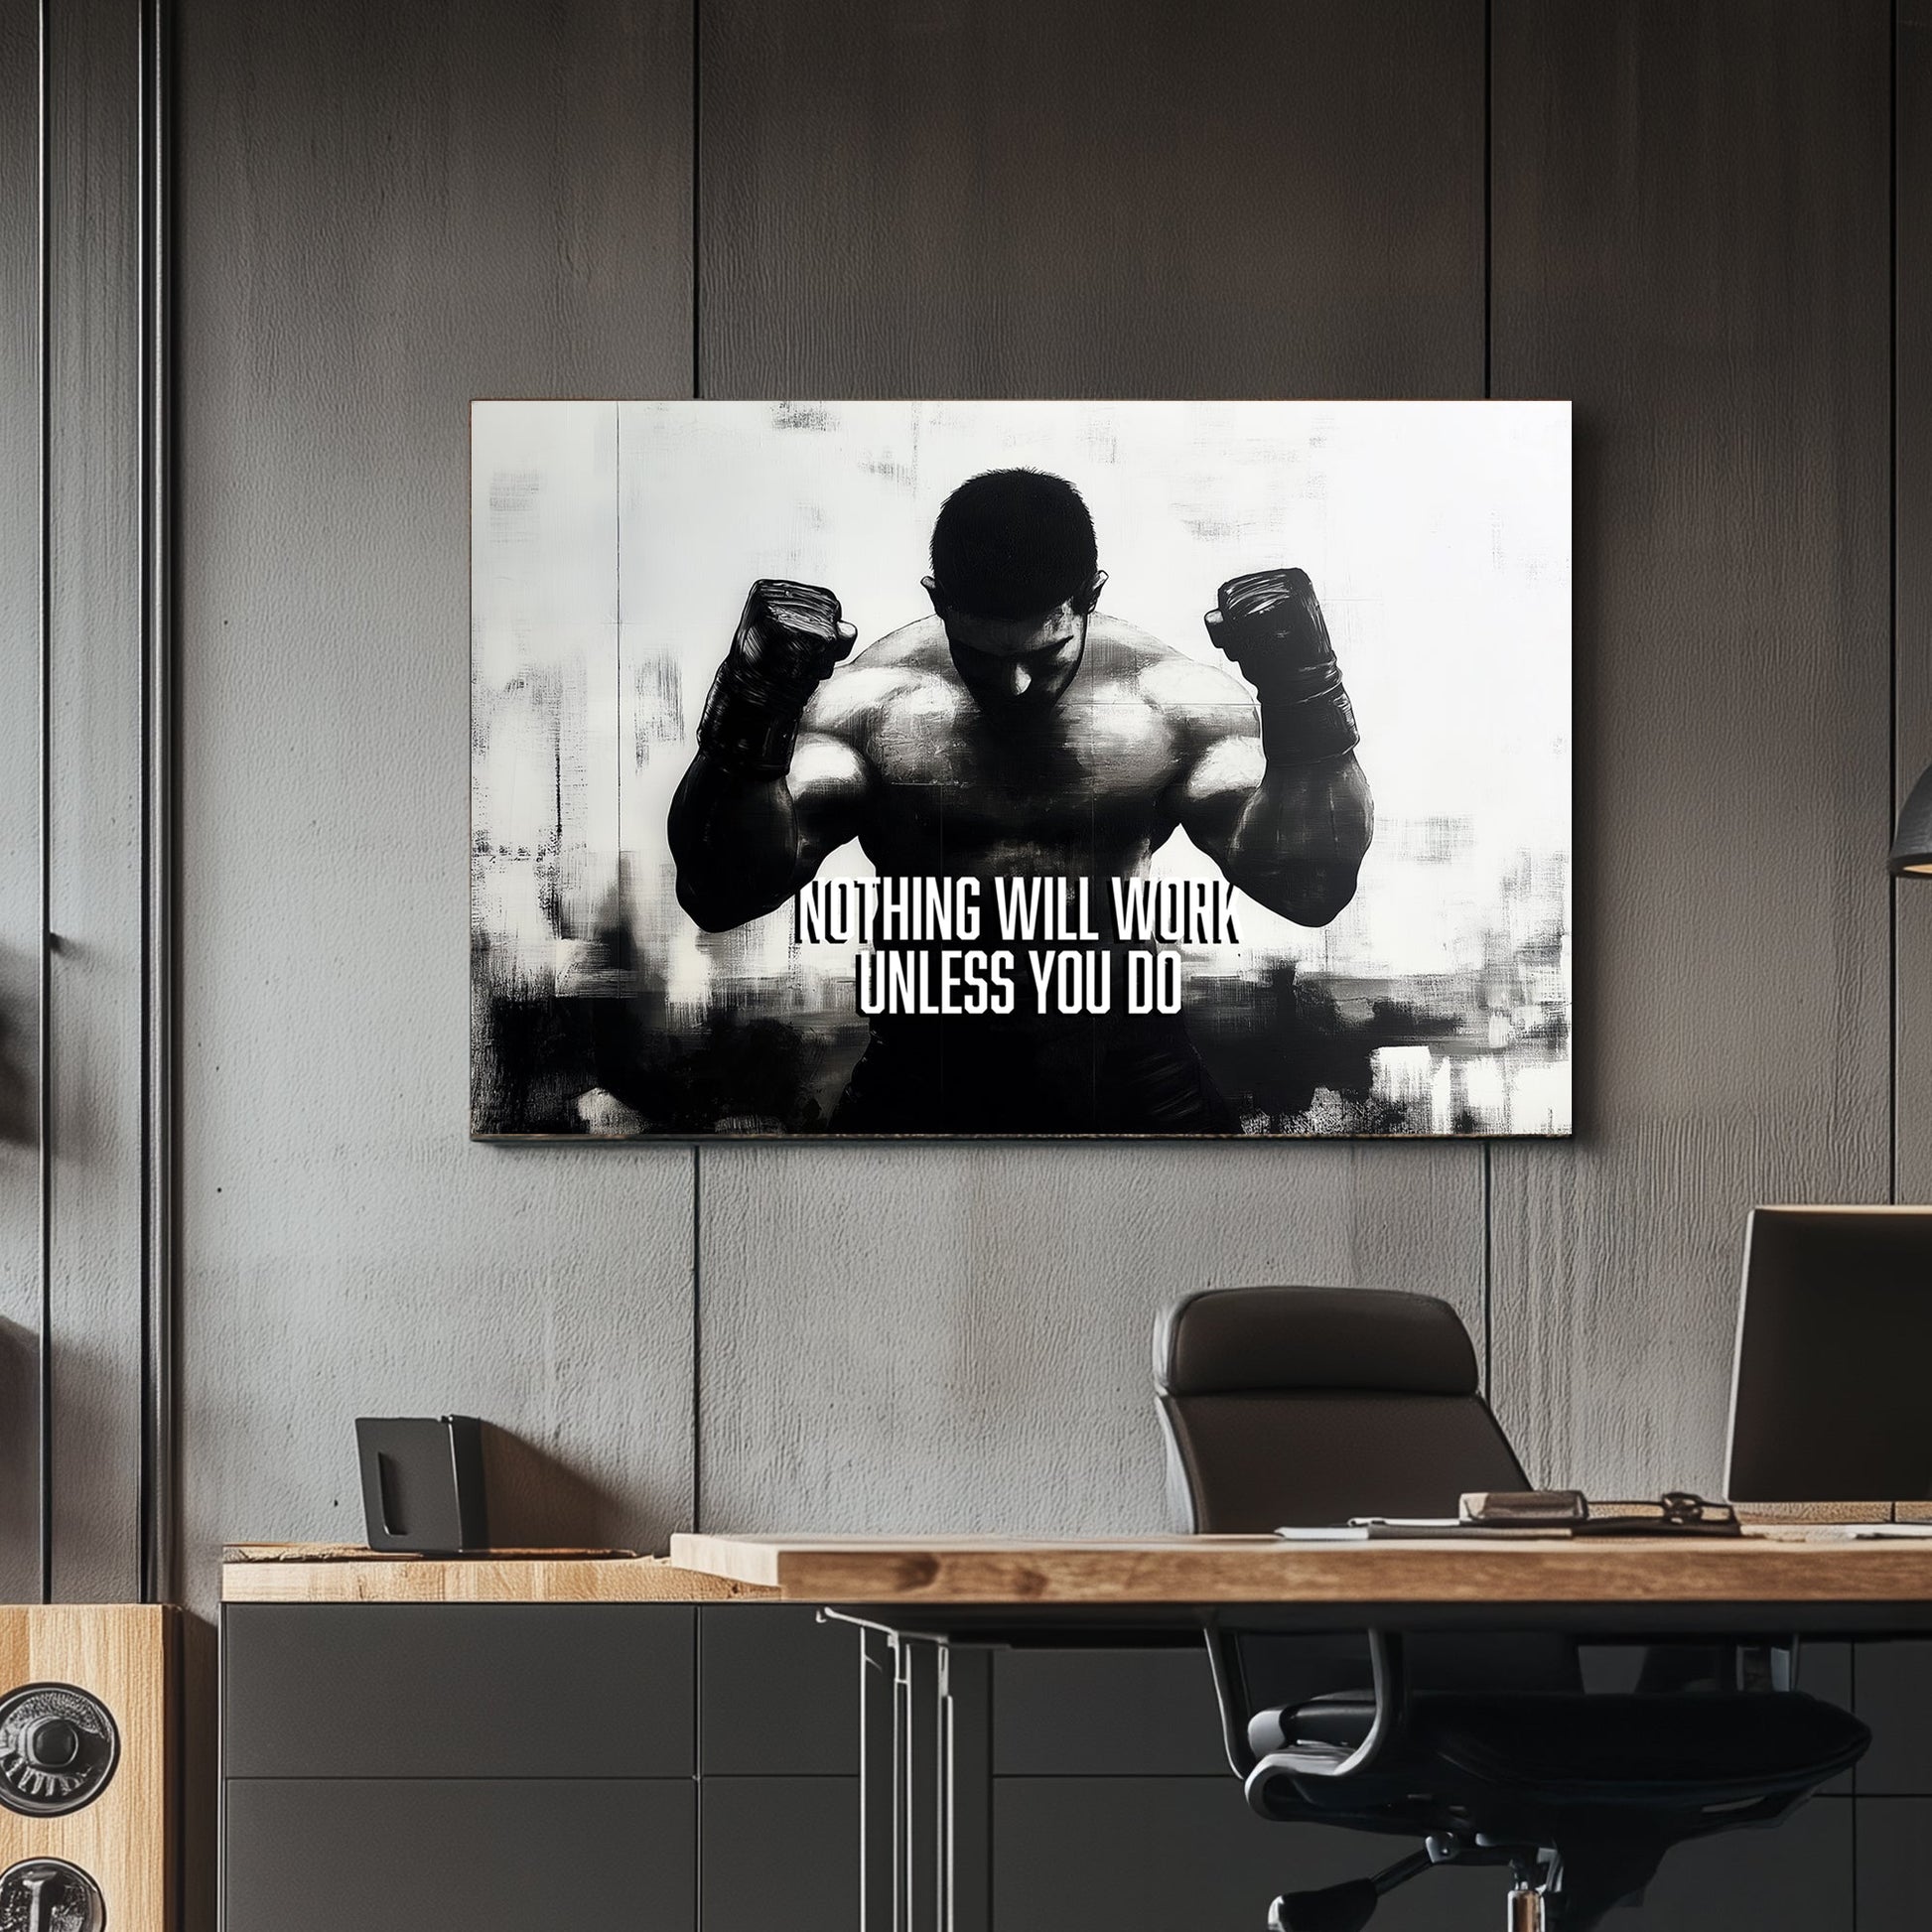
(1020, 730)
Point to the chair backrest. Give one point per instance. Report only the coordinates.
(1313, 1405)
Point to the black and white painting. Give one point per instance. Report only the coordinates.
(1020, 769)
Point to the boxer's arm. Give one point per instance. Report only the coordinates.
(769, 792)
(1290, 833)
(744, 842)
(1285, 808)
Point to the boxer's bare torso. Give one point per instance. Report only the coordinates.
(1064, 745)
(1091, 785)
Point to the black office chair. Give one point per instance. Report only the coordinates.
(1308, 1405)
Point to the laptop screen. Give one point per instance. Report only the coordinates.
(1832, 1390)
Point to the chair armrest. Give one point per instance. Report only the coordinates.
(1331, 1761)
(1238, 1705)
(1231, 1694)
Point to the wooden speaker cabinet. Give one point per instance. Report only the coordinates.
(87, 1767)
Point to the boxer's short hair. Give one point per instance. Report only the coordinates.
(1013, 544)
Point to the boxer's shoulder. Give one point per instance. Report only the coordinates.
(1164, 677)
(918, 645)
(909, 665)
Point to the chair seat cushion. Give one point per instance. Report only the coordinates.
(1636, 1748)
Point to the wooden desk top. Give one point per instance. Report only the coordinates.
(1783, 1566)
(1771, 1566)
(314, 1573)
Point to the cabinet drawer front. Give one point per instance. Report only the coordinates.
(781, 1853)
(470, 1855)
(437, 1690)
(780, 1692)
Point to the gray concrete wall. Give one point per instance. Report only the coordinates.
(1678, 215)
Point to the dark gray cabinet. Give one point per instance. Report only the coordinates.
(1106, 1714)
(432, 1767)
(779, 1853)
(1158, 1852)
(471, 1690)
(1185, 1851)
(670, 1768)
(460, 1855)
(1894, 1881)
(779, 1693)
(1894, 1694)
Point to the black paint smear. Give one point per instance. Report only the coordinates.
(742, 1076)
(528, 1068)
(539, 1056)
(1271, 1040)
(1270, 1043)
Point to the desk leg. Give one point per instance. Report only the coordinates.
(924, 1786)
(878, 1780)
(919, 1826)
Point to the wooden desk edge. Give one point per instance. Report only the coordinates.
(1261, 1569)
(466, 1579)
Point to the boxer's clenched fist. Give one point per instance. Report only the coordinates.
(1271, 625)
(789, 639)
(790, 635)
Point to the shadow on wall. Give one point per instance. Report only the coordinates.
(19, 1406)
(537, 1502)
(19, 1461)
(19, 985)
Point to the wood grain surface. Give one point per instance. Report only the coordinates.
(1764, 1568)
(1691, 240)
(124, 1655)
(464, 1580)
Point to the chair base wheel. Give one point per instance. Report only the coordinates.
(1340, 1908)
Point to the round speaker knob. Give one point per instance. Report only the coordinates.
(52, 1744)
(58, 1751)
(49, 1895)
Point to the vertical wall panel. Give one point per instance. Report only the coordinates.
(937, 197)
(19, 804)
(386, 212)
(95, 809)
(1912, 579)
(1079, 198)
(1691, 209)
(958, 1337)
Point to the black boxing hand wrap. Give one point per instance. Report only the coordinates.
(1271, 625)
(749, 724)
(787, 641)
(1319, 725)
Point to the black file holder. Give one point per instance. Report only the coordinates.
(423, 1483)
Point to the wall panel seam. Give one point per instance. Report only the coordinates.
(696, 174)
(697, 1337)
(44, 1356)
(1489, 393)
(697, 390)
(158, 1528)
(1891, 686)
